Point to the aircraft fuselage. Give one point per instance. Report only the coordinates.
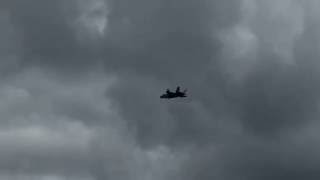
(172, 95)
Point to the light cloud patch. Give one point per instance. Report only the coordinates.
(92, 21)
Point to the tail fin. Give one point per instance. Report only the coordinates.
(178, 89)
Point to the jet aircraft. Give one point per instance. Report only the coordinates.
(170, 95)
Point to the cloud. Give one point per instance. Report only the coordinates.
(61, 35)
(254, 77)
(81, 80)
(54, 128)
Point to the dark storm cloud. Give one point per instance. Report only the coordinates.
(251, 72)
(257, 74)
(282, 93)
(187, 50)
(44, 28)
(285, 98)
(44, 134)
(9, 46)
(174, 43)
(48, 34)
(166, 39)
(253, 158)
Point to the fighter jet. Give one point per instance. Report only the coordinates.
(170, 95)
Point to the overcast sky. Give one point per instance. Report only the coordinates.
(80, 82)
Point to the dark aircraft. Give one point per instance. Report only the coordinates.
(170, 95)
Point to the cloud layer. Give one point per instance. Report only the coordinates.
(80, 86)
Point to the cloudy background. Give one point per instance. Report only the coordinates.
(80, 82)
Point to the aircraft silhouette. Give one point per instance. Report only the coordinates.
(170, 95)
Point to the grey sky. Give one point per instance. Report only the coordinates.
(81, 80)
